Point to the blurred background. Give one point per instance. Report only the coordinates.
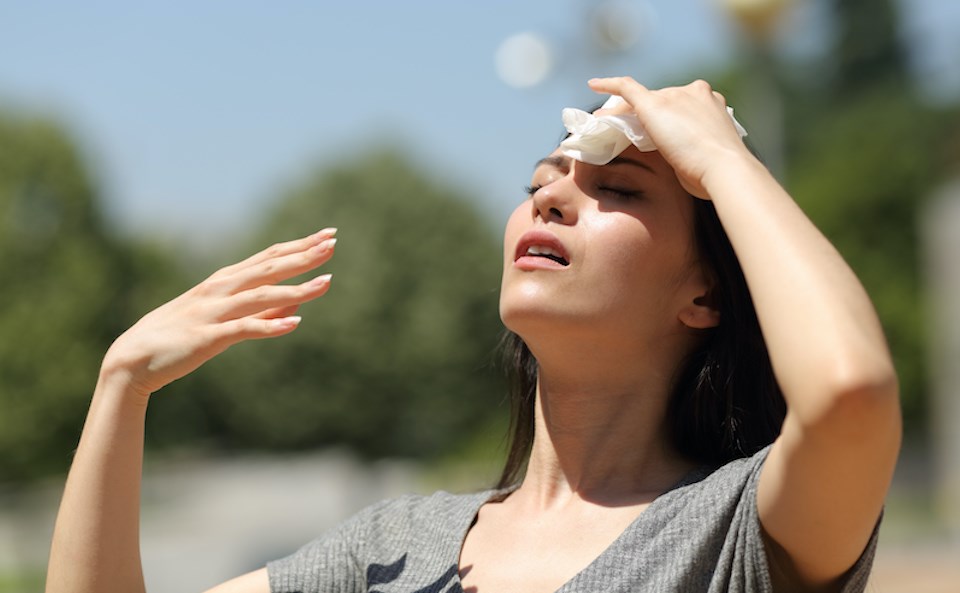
(143, 146)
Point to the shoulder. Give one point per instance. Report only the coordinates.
(378, 541)
(439, 509)
(402, 518)
(734, 480)
(703, 534)
(712, 504)
(713, 517)
(410, 537)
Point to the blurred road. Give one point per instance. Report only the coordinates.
(206, 520)
(921, 567)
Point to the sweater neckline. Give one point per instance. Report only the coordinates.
(498, 495)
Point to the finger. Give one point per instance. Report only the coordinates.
(701, 85)
(282, 268)
(252, 328)
(256, 301)
(275, 270)
(705, 89)
(278, 312)
(619, 109)
(623, 86)
(280, 249)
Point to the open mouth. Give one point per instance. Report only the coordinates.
(546, 252)
(540, 249)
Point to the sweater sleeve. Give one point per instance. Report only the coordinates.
(328, 564)
(750, 567)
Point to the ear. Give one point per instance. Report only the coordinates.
(701, 312)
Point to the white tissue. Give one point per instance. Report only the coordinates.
(597, 140)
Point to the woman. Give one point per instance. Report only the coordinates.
(613, 297)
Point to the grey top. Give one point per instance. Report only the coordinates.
(701, 535)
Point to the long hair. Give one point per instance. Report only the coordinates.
(725, 402)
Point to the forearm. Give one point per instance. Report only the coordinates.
(823, 335)
(96, 544)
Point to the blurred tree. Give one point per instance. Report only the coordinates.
(863, 154)
(863, 175)
(866, 158)
(67, 290)
(868, 48)
(396, 358)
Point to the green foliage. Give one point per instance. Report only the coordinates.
(21, 581)
(396, 358)
(65, 295)
(69, 288)
(863, 173)
(864, 153)
(868, 48)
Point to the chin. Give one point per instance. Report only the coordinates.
(521, 319)
(536, 321)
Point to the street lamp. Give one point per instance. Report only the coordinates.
(758, 17)
(762, 106)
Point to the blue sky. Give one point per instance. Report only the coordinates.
(193, 114)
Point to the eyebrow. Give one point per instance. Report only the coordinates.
(622, 160)
(563, 162)
(556, 161)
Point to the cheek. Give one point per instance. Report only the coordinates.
(622, 242)
(635, 262)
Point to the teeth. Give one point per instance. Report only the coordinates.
(540, 250)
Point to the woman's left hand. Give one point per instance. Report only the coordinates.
(689, 125)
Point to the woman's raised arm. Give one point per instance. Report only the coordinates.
(96, 545)
(824, 482)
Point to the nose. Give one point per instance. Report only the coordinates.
(557, 201)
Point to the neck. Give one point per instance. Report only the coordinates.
(600, 430)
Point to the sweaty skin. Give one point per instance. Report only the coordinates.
(609, 318)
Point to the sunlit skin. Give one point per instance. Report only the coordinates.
(608, 329)
(610, 300)
(633, 269)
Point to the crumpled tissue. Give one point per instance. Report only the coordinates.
(597, 140)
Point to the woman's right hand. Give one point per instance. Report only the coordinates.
(240, 302)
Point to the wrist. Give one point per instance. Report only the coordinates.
(117, 378)
(733, 169)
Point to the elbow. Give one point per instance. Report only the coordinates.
(855, 402)
(865, 406)
(865, 384)
(879, 394)
(877, 380)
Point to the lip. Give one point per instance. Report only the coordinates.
(543, 239)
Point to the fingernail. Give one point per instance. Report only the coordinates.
(327, 232)
(287, 322)
(325, 245)
(321, 280)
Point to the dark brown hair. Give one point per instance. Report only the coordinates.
(725, 402)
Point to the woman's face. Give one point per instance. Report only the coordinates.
(601, 249)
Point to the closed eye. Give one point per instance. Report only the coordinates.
(532, 189)
(620, 192)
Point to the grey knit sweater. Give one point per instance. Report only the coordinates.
(702, 535)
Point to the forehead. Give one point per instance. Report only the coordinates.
(650, 161)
